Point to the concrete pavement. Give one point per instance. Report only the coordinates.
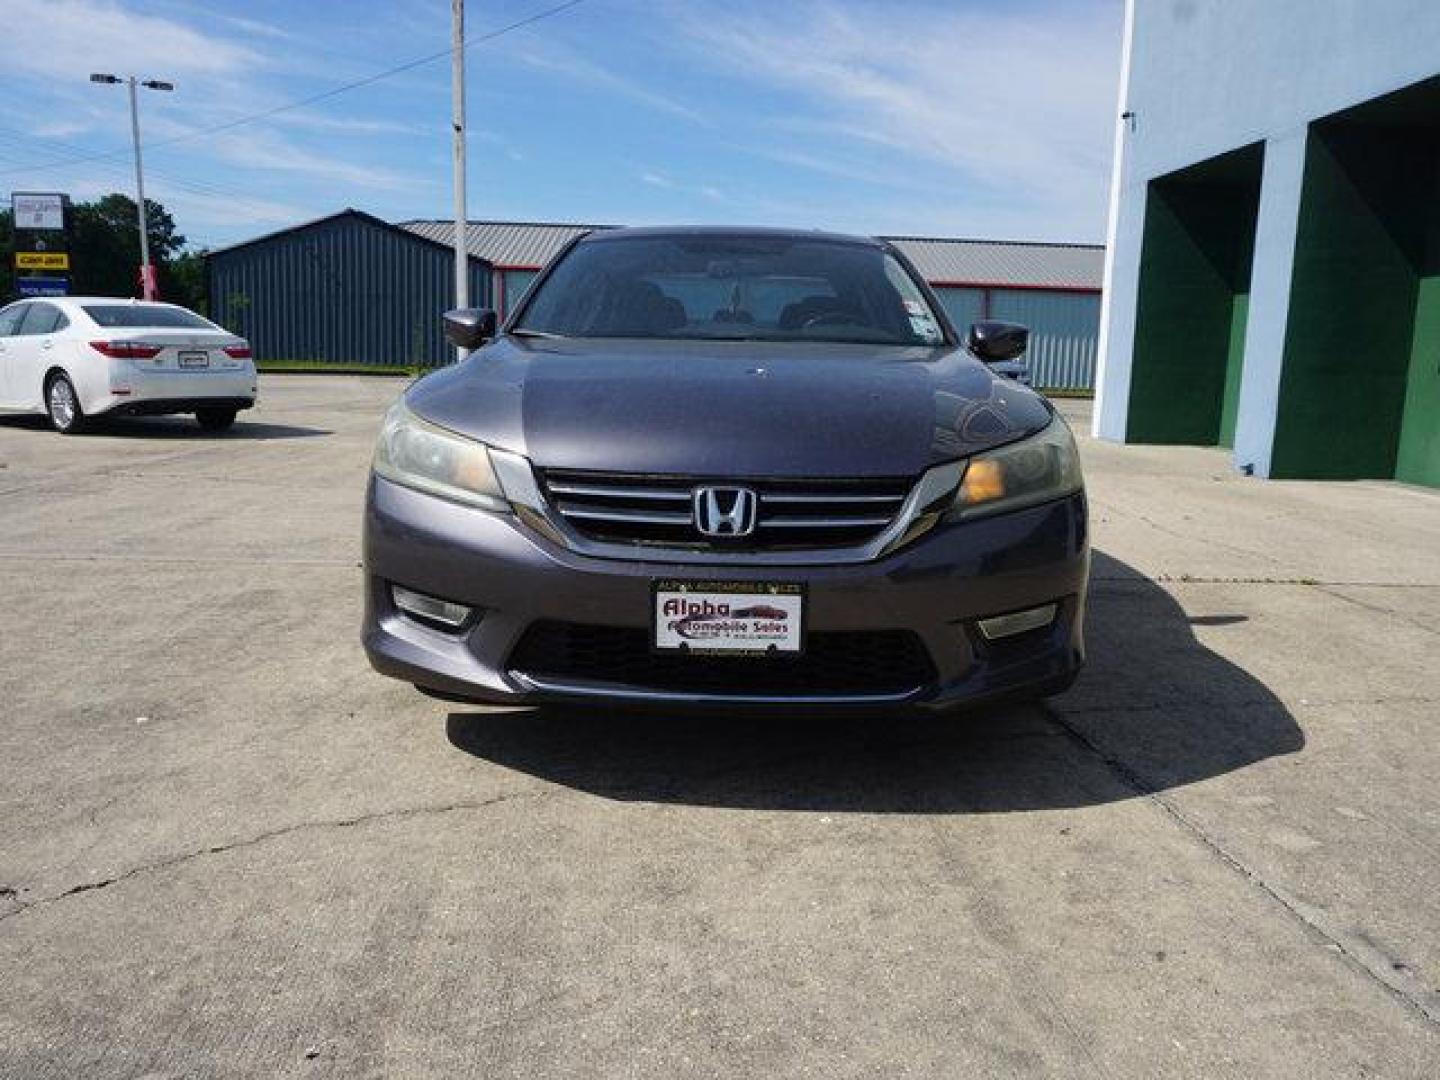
(228, 849)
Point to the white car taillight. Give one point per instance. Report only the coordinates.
(126, 350)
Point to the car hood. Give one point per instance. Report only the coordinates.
(733, 409)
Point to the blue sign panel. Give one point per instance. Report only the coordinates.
(42, 286)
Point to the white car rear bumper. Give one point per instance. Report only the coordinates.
(134, 390)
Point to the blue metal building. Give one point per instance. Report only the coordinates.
(1052, 288)
(354, 288)
(348, 288)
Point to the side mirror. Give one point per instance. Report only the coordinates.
(992, 341)
(469, 328)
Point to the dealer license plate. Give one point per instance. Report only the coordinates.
(731, 617)
(194, 359)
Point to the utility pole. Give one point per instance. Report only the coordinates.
(147, 272)
(457, 121)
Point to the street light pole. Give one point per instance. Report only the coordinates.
(457, 122)
(147, 272)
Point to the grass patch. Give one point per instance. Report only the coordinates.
(1067, 392)
(331, 367)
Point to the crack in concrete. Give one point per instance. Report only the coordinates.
(1329, 590)
(264, 837)
(1257, 703)
(1263, 556)
(1410, 991)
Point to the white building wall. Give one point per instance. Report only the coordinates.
(1204, 77)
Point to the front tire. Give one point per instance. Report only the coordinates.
(62, 405)
(215, 419)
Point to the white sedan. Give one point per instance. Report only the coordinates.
(77, 357)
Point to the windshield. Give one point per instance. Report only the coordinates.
(733, 288)
(145, 315)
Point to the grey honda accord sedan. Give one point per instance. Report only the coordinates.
(726, 467)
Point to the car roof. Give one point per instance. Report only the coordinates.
(671, 232)
(95, 300)
(110, 300)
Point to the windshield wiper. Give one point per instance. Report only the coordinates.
(546, 335)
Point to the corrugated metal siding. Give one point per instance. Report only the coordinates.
(964, 306)
(341, 289)
(505, 243)
(1064, 332)
(999, 262)
(1064, 328)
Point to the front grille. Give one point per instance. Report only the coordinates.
(868, 662)
(644, 509)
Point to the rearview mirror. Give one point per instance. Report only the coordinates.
(469, 328)
(992, 341)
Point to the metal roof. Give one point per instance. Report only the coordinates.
(531, 245)
(516, 244)
(1004, 262)
(348, 212)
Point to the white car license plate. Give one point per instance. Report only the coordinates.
(731, 617)
(194, 359)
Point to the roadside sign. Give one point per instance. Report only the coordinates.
(42, 286)
(38, 211)
(42, 260)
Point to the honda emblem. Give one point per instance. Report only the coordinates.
(725, 511)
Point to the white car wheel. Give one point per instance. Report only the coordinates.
(63, 405)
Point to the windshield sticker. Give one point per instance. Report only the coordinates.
(925, 327)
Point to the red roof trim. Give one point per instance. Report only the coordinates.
(1089, 290)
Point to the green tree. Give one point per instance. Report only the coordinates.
(182, 280)
(7, 254)
(105, 244)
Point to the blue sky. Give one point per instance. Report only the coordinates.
(958, 118)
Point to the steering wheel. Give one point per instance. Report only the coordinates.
(833, 318)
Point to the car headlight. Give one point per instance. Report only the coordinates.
(1043, 467)
(430, 459)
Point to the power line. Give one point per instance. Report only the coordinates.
(14, 137)
(324, 95)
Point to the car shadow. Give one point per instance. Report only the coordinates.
(172, 427)
(1154, 709)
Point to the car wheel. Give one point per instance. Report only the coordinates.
(215, 419)
(63, 405)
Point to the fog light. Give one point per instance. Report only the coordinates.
(430, 609)
(1017, 622)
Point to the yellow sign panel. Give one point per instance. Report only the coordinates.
(42, 260)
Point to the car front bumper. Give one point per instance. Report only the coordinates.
(935, 588)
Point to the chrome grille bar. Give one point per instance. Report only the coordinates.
(602, 492)
(657, 510)
(639, 517)
(823, 523)
(772, 497)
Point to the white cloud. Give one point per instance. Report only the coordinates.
(345, 125)
(60, 129)
(1013, 100)
(201, 217)
(556, 59)
(265, 151)
(80, 36)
